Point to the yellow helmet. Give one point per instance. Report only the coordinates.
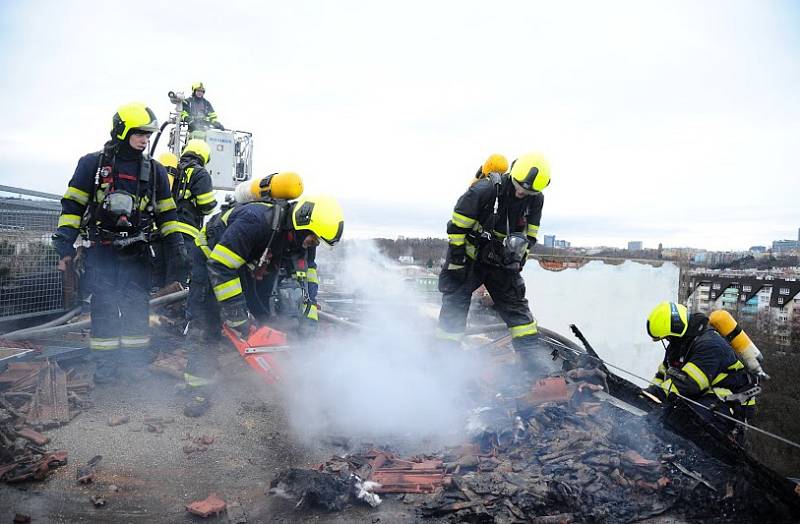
(168, 159)
(321, 215)
(198, 85)
(496, 163)
(530, 172)
(133, 116)
(199, 148)
(668, 319)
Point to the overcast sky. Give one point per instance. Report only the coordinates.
(674, 122)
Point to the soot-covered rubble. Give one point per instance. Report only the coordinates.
(562, 451)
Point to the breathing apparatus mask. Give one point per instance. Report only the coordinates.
(118, 207)
(515, 249)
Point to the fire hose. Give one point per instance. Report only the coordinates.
(52, 328)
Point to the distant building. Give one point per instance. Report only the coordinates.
(635, 245)
(549, 241)
(406, 259)
(561, 244)
(766, 300)
(780, 246)
(758, 249)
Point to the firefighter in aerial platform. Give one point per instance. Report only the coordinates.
(193, 193)
(233, 242)
(700, 363)
(198, 112)
(114, 199)
(494, 225)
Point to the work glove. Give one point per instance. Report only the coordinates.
(64, 247)
(177, 259)
(657, 392)
(236, 317)
(452, 277)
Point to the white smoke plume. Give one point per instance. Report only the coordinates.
(389, 381)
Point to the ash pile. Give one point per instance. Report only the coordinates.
(561, 450)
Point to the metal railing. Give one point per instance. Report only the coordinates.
(30, 284)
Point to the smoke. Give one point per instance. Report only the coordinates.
(389, 381)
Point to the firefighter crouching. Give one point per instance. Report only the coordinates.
(232, 242)
(114, 200)
(493, 226)
(701, 365)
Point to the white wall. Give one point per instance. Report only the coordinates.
(609, 304)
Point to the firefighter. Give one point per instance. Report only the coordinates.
(115, 199)
(231, 242)
(701, 365)
(494, 224)
(198, 111)
(194, 195)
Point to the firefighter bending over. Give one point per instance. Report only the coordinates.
(114, 200)
(701, 365)
(494, 224)
(242, 238)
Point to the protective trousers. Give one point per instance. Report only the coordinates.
(507, 289)
(205, 324)
(120, 283)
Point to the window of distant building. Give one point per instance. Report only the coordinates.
(716, 286)
(780, 300)
(747, 289)
(784, 291)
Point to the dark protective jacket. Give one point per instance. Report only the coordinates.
(701, 363)
(197, 109)
(154, 201)
(475, 214)
(193, 194)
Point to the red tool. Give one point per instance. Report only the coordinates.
(259, 350)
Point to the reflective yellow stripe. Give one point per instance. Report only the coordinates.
(226, 257)
(134, 342)
(457, 239)
(722, 393)
(736, 366)
(195, 381)
(750, 402)
(719, 378)
(668, 387)
(523, 330)
(206, 198)
(697, 375)
(73, 221)
(73, 193)
(533, 230)
(225, 216)
(446, 335)
(657, 381)
(169, 227)
(212, 115)
(103, 344)
(188, 229)
(498, 234)
(300, 275)
(312, 276)
(166, 204)
(228, 289)
(463, 221)
(312, 313)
